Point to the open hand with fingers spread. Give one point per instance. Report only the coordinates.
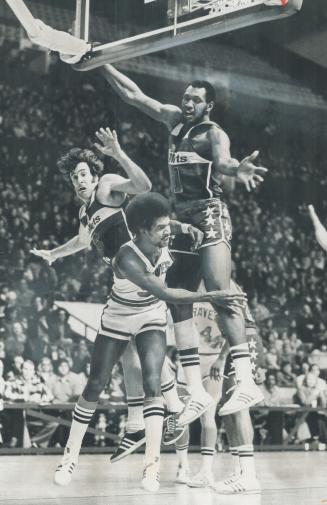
(43, 253)
(109, 143)
(250, 174)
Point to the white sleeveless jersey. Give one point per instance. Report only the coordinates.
(205, 318)
(129, 294)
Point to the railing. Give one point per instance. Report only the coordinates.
(54, 412)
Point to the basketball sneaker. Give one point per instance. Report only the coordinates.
(245, 395)
(172, 430)
(242, 485)
(183, 475)
(201, 479)
(128, 444)
(63, 473)
(151, 476)
(196, 406)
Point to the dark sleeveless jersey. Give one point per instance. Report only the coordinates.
(190, 174)
(106, 226)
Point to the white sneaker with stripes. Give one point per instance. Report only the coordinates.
(151, 476)
(245, 395)
(197, 405)
(201, 479)
(128, 444)
(63, 473)
(242, 485)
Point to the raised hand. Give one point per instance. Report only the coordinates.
(109, 142)
(45, 254)
(250, 174)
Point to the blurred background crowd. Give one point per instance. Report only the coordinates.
(276, 258)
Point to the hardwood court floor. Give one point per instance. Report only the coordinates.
(290, 478)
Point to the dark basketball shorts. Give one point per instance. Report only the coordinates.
(212, 218)
(256, 356)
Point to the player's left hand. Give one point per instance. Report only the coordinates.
(109, 142)
(250, 174)
(196, 236)
(217, 369)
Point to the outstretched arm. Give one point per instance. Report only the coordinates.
(132, 94)
(137, 182)
(320, 230)
(130, 266)
(245, 170)
(74, 245)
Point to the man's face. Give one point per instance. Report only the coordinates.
(159, 232)
(83, 181)
(194, 104)
(28, 370)
(63, 369)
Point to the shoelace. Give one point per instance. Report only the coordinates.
(171, 424)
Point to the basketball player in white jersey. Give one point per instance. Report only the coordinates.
(199, 152)
(136, 309)
(218, 377)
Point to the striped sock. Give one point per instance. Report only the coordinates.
(153, 412)
(169, 392)
(82, 415)
(236, 460)
(135, 421)
(246, 456)
(242, 363)
(207, 458)
(190, 361)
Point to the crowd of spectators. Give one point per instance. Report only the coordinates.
(276, 258)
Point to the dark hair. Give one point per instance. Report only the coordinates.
(210, 90)
(144, 209)
(68, 162)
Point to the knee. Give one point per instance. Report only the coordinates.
(96, 384)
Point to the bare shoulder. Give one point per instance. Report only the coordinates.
(217, 134)
(127, 260)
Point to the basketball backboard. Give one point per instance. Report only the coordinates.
(129, 28)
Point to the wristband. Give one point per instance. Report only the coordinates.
(185, 228)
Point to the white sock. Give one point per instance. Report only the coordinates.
(236, 460)
(181, 447)
(135, 420)
(247, 463)
(187, 341)
(169, 392)
(241, 360)
(82, 416)
(207, 459)
(153, 413)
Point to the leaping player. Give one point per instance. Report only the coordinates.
(199, 152)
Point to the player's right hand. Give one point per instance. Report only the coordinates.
(43, 253)
(217, 369)
(228, 299)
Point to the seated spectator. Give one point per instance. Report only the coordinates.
(271, 392)
(311, 394)
(25, 388)
(285, 377)
(45, 371)
(68, 386)
(271, 358)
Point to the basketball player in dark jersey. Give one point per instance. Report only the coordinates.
(199, 153)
